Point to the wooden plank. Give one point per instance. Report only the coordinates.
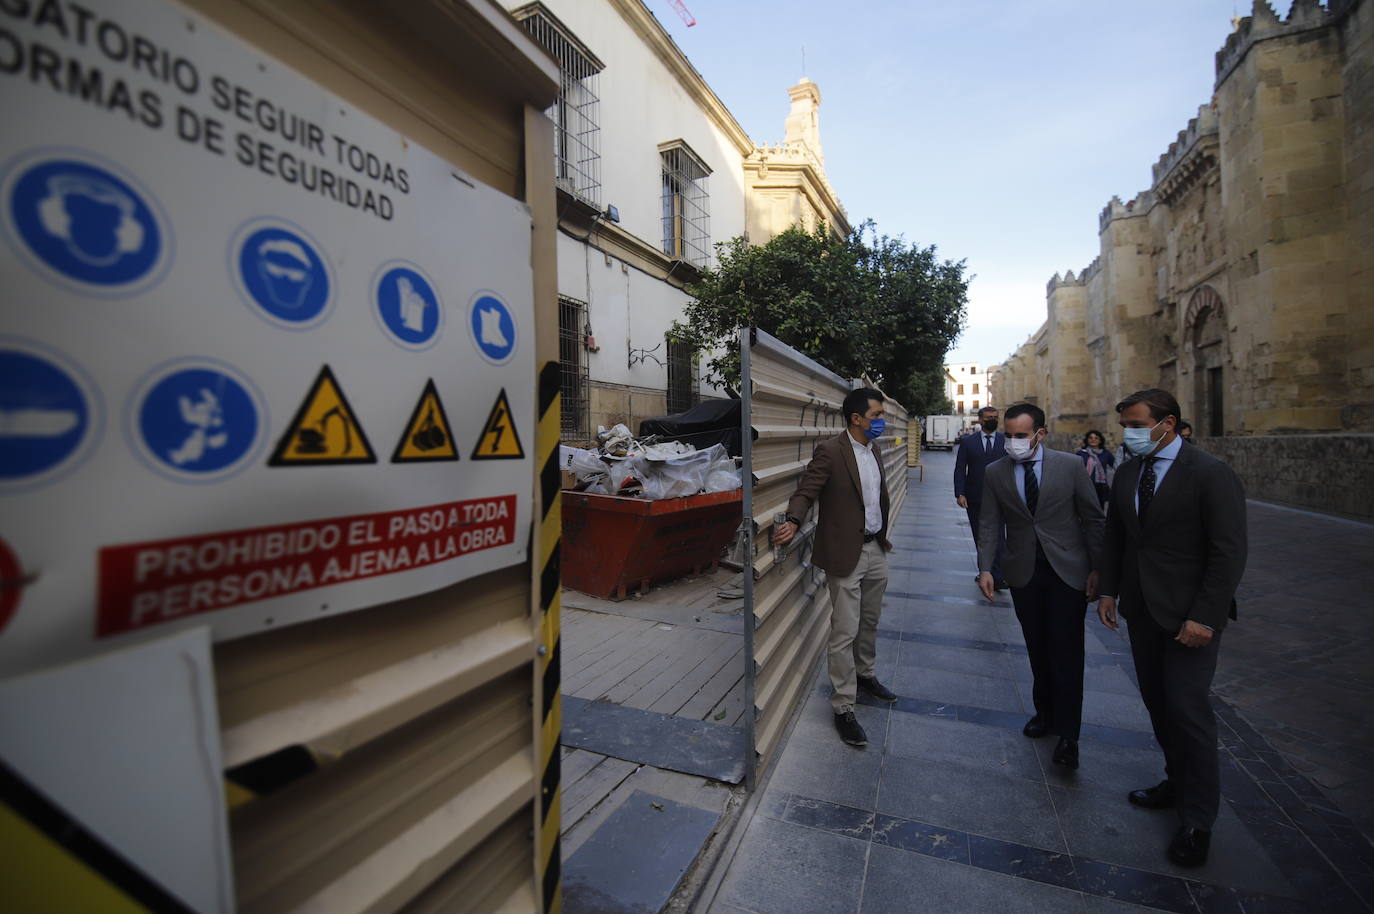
(626, 643)
(694, 672)
(609, 653)
(699, 705)
(673, 649)
(630, 660)
(592, 788)
(576, 764)
(732, 704)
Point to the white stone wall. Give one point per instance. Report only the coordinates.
(643, 105)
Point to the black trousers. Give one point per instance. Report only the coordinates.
(1175, 682)
(1051, 615)
(973, 512)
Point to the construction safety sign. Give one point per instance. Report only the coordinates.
(263, 359)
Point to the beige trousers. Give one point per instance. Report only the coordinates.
(856, 602)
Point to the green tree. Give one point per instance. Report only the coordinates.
(861, 304)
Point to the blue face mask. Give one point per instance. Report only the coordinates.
(1138, 440)
(875, 429)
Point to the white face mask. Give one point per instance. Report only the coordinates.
(1020, 449)
(1138, 440)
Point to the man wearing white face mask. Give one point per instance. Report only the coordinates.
(1054, 527)
(1175, 552)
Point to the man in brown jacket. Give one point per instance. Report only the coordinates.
(846, 477)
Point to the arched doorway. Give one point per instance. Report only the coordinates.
(1205, 329)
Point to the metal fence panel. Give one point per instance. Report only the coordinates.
(792, 403)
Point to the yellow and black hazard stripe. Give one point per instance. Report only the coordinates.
(547, 562)
(53, 863)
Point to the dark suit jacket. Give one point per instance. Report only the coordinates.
(971, 462)
(832, 481)
(1186, 561)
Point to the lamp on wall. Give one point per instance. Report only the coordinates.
(612, 213)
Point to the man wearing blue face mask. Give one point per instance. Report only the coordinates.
(1175, 551)
(845, 477)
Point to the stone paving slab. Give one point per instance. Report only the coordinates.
(950, 808)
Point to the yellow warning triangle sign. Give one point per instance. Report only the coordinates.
(427, 435)
(325, 430)
(500, 440)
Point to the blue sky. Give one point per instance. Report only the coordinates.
(994, 129)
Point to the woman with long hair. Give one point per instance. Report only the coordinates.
(1099, 462)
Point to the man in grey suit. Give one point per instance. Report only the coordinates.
(1175, 553)
(1054, 525)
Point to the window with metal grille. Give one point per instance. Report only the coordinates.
(686, 205)
(573, 383)
(684, 377)
(576, 115)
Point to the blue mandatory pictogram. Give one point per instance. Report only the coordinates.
(493, 328)
(408, 306)
(283, 274)
(198, 422)
(85, 223)
(44, 416)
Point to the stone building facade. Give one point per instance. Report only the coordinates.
(1243, 278)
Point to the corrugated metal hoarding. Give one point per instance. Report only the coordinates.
(792, 403)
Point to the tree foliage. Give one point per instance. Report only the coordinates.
(860, 304)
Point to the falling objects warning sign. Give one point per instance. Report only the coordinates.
(325, 430)
(428, 435)
(500, 440)
(145, 584)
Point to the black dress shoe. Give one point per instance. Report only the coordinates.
(1035, 728)
(872, 686)
(1160, 796)
(1066, 753)
(1190, 846)
(849, 728)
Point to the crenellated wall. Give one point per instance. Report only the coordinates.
(1243, 278)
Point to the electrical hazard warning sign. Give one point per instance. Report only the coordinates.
(325, 430)
(260, 307)
(427, 436)
(500, 440)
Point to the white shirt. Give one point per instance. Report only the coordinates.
(1164, 460)
(1033, 464)
(869, 481)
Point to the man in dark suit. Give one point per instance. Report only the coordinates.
(845, 477)
(1174, 555)
(1053, 521)
(975, 452)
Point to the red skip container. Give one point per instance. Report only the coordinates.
(613, 544)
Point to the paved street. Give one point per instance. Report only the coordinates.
(950, 808)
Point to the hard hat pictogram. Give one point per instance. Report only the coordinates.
(325, 430)
(499, 440)
(428, 435)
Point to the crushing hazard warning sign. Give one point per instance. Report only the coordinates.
(314, 320)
